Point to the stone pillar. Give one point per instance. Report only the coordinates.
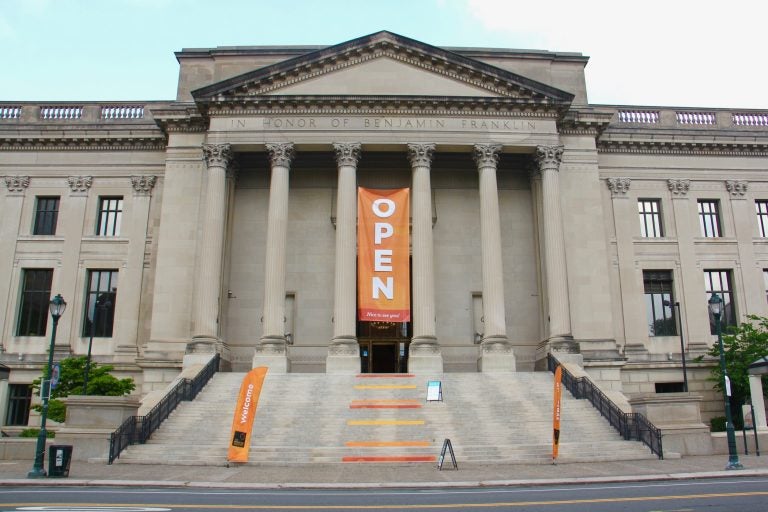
(10, 208)
(130, 295)
(211, 247)
(559, 333)
(344, 353)
(495, 350)
(272, 351)
(758, 402)
(424, 353)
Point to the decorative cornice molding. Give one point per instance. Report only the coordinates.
(80, 183)
(347, 153)
(281, 154)
(737, 188)
(679, 187)
(143, 185)
(549, 157)
(81, 144)
(486, 155)
(217, 155)
(420, 155)
(618, 186)
(683, 148)
(17, 183)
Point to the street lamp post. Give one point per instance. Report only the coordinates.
(57, 306)
(716, 308)
(96, 308)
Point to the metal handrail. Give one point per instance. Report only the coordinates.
(138, 429)
(631, 426)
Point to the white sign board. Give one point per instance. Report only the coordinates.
(434, 391)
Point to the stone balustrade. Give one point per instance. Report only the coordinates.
(685, 118)
(85, 112)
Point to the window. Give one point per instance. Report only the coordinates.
(46, 215)
(709, 218)
(761, 207)
(719, 281)
(35, 295)
(650, 218)
(110, 216)
(659, 303)
(99, 314)
(19, 400)
(765, 282)
(669, 387)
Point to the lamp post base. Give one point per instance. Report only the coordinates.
(37, 473)
(733, 464)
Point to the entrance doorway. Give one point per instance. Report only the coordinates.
(383, 346)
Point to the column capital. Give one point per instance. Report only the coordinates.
(281, 154)
(17, 183)
(347, 153)
(486, 155)
(143, 185)
(80, 183)
(679, 187)
(737, 188)
(549, 157)
(217, 155)
(420, 155)
(619, 186)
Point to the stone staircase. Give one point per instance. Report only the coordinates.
(306, 418)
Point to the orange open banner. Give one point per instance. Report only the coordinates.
(383, 279)
(245, 412)
(556, 412)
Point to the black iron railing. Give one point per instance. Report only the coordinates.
(137, 429)
(631, 426)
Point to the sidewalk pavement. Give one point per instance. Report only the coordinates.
(368, 475)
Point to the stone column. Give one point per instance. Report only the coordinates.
(10, 206)
(211, 247)
(272, 351)
(133, 276)
(424, 353)
(495, 350)
(344, 353)
(548, 159)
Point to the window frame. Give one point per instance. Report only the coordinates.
(658, 287)
(110, 216)
(650, 218)
(46, 219)
(728, 317)
(709, 221)
(34, 296)
(19, 405)
(761, 210)
(100, 289)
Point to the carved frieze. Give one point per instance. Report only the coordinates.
(17, 183)
(678, 187)
(619, 186)
(486, 155)
(347, 153)
(420, 155)
(737, 188)
(217, 155)
(80, 183)
(549, 157)
(143, 185)
(281, 154)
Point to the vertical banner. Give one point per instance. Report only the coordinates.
(383, 279)
(245, 412)
(556, 412)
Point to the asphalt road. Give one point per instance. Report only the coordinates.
(742, 494)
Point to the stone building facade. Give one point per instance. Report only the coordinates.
(224, 220)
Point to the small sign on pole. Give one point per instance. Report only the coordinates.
(434, 391)
(447, 446)
(55, 375)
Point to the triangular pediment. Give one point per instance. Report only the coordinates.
(381, 65)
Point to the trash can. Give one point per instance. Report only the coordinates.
(59, 457)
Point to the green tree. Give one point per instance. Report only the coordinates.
(743, 345)
(71, 380)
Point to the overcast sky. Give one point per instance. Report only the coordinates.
(651, 53)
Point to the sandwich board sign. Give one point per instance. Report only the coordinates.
(434, 391)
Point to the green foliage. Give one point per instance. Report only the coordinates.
(717, 424)
(34, 432)
(71, 381)
(743, 345)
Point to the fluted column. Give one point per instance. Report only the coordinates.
(206, 310)
(424, 353)
(548, 159)
(271, 351)
(496, 352)
(344, 353)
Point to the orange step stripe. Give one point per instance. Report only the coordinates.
(384, 375)
(377, 444)
(392, 406)
(387, 401)
(404, 458)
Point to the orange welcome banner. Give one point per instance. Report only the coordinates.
(383, 270)
(556, 411)
(245, 412)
